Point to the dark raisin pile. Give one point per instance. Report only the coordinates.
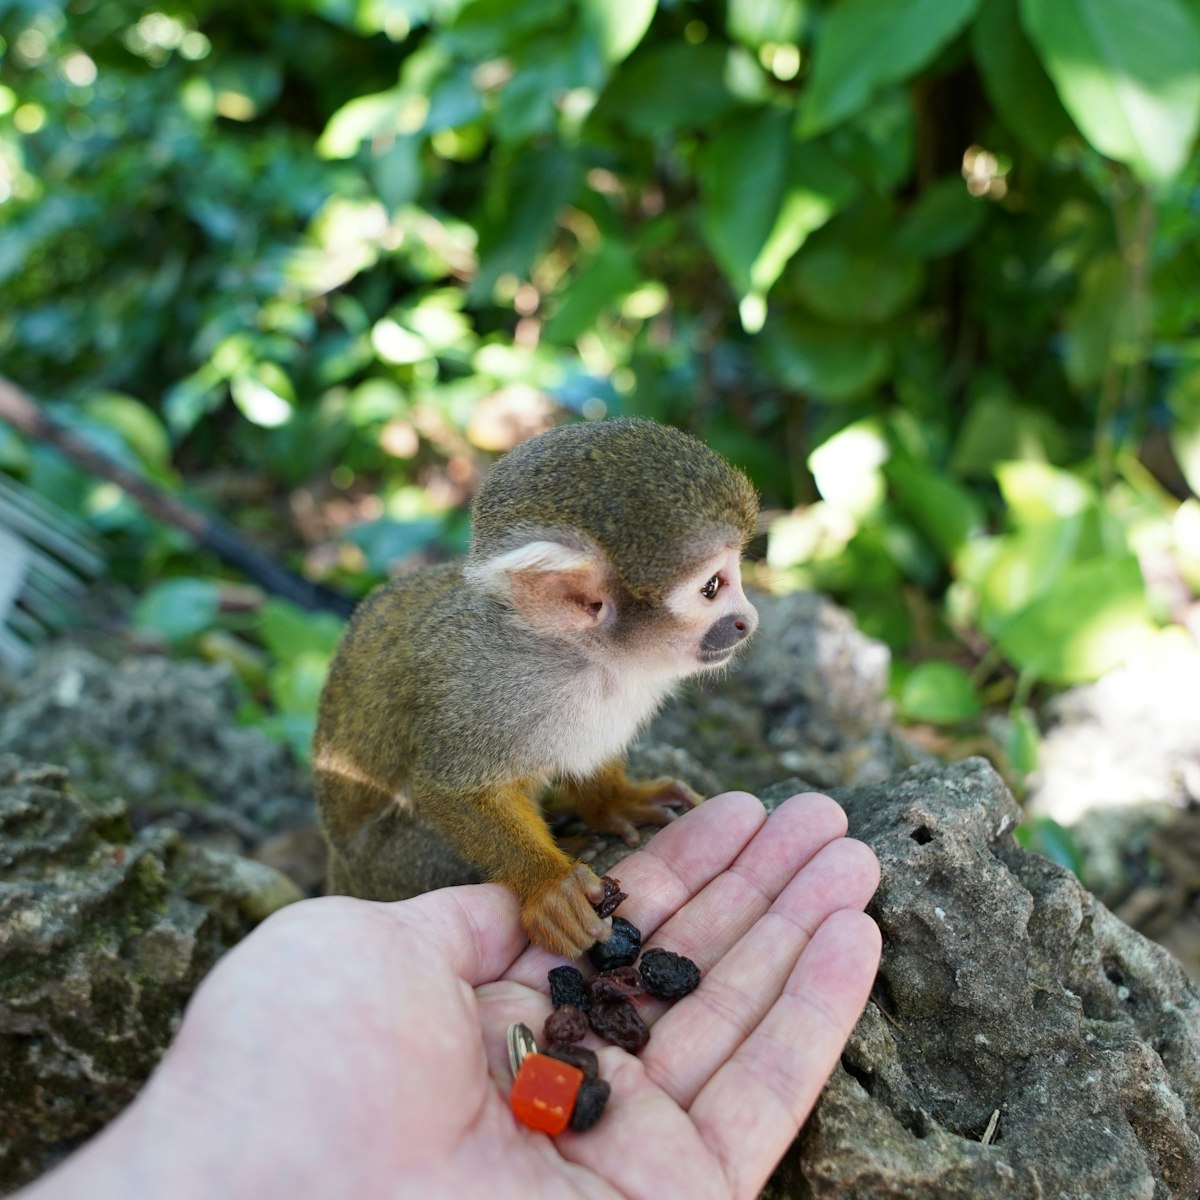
(621, 949)
(567, 987)
(620, 1023)
(566, 1024)
(667, 975)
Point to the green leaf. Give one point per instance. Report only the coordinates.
(1014, 80)
(940, 693)
(1183, 401)
(289, 631)
(756, 22)
(947, 514)
(816, 187)
(864, 45)
(855, 280)
(1036, 493)
(741, 173)
(526, 194)
(1129, 75)
(669, 86)
(591, 290)
(264, 395)
(386, 541)
(178, 609)
(1045, 836)
(1093, 618)
(832, 362)
(1097, 322)
(1023, 741)
(618, 27)
(138, 425)
(944, 219)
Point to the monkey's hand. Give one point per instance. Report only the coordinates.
(560, 915)
(609, 802)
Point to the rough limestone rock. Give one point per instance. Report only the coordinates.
(103, 937)
(162, 734)
(1005, 988)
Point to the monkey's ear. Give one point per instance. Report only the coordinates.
(556, 588)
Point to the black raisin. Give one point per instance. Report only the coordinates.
(668, 975)
(621, 949)
(589, 1103)
(620, 1023)
(615, 984)
(567, 987)
(577, 1056)
(566, 1024)
(607, 904)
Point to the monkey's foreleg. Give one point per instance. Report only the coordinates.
(501, 831)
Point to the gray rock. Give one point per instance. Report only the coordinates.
(1005, 988)
(104, 934)
(162, 734)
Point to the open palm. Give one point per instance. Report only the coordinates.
(352, 1049)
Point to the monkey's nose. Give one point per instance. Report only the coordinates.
(726, 633)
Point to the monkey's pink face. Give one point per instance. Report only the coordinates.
(712, 616)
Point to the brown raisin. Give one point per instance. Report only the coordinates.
(620, 1023)
(621, 949)
(607, 904)
(566, 1024)
(589, 1103)
(567, 987)
(668, 975)
(577, 1056)
(616, 984)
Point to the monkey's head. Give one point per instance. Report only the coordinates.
(620, 536)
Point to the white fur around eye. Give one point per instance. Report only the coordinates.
(685, 599)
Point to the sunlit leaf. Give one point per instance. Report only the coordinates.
(864, 45)
(756, 22)
(136, 423)
(1129, 75)
(1014, 80)
(1093, 618)
(618, 27)
(177, 609)
(940, 693)
(741, 172)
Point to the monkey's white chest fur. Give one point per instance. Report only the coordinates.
(599, 716)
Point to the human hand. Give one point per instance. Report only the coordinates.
(354, 1049)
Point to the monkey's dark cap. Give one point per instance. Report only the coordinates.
(648, 494)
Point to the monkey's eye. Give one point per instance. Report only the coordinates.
(709, 590)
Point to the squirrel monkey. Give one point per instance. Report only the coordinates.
(465, 697)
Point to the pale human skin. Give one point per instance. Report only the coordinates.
(356, 1049)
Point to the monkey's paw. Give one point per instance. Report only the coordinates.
(561, 917)
(655, 803)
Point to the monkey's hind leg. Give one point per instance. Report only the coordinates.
(378, 851)
(610, 802)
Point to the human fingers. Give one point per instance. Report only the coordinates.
(694, 1037)
(751, 1109)
(679, 862)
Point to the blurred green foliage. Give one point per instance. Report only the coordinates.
(926, 268)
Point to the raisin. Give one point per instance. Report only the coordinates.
(566, 1024)
(621, 949)
(567, 987)
(620, 1023)
(576, 1056)
(668, 975)
(616, 984)
(589, 1103)
(607, 904)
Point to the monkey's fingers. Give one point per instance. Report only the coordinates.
(561, 918)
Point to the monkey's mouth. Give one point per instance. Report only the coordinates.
(713, 658)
